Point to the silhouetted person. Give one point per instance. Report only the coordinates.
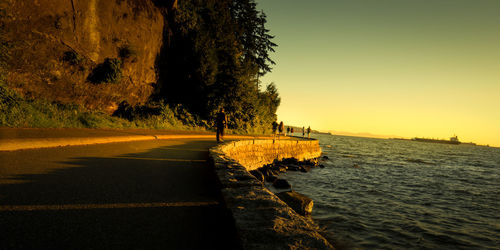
(287, 130)
(303, 132)
(221, 122)
(309, 132)
(275, 127)
(291, 131)
(281, 127)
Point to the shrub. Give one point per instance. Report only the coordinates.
(126, 51)
(108, 72)
(72, 58)
(124, 111)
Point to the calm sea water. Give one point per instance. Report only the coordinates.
(390, 194)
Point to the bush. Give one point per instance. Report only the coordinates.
(126, 51)
(107, 72)
(72, 58)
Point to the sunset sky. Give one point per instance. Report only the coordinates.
(425, 68)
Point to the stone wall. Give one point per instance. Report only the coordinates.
(253, 154)
(264, 221)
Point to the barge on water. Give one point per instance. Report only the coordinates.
(453, 140)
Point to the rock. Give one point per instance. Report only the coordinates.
(282, 169)
(275, 172)
(290, 161)
(321, 166)
(300, 203)
(281, 183)
(304, 169)
(259, 175)
(324, 157)
(310, 162)
(271, 178)
(57, 27)
(278, 168)
(267, 172)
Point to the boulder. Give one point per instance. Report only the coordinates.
(274, 172)
(321, 166)
(300, 203)
(293, 167)
(267, 171)
(282, 168)
(271, 178)
(324, 157)
(281, 183)
(278, 168)
(259, 175)
(310, 162)
(305, 169)
(290, 161)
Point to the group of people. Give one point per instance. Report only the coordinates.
(221, 124)
(289, 130)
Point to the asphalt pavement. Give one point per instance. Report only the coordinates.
(148, 194)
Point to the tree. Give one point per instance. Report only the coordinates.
(253, 35)
(217, 50)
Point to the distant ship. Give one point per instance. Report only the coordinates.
(453, 140)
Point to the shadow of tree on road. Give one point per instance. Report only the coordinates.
(177, 174)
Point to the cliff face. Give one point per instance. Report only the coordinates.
(55, 45)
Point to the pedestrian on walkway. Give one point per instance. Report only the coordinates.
(309, 132)
(291, 131)
(281, 127)
(221, 122)
(303, 132)
(275, 127)
(287, 130)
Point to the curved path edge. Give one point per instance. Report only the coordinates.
(13, 144)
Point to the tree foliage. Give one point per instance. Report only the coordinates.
(214, 54)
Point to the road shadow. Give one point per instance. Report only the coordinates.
(189, 211)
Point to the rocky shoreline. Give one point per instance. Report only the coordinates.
(269, 174)
(262, 219)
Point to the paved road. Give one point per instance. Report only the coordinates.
(158, 194)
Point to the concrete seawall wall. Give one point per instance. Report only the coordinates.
(264, 221)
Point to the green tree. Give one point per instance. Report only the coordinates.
(215, 53)
(253, 35)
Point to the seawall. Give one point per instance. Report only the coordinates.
(262, 220)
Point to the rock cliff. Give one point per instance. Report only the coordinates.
(55, 45)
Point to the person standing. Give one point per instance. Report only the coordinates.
(291, 131)
(287, 130)
(309, 132)
(275, 127)
(303, 132)
(221, 122)
(281, 127)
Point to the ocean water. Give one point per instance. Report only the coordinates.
(392, 194)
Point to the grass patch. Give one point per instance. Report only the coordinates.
(16, 111)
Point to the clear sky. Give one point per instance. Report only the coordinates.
(426, 68)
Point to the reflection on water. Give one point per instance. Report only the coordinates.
(389, 194)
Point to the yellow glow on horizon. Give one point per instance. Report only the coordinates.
(468, 113)
(396, 68)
